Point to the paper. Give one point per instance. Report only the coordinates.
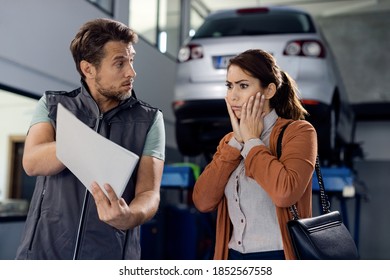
(90, 156)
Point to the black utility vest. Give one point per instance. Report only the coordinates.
(62, 212)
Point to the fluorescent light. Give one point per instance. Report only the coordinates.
(162, 42)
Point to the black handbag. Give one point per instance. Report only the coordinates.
(324, 237)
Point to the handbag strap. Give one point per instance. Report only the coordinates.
(325, 203)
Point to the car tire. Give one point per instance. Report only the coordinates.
(334, 140)
(186, 140)
(329, 144)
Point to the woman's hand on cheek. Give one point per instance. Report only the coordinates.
(235, 123)
(252, 117)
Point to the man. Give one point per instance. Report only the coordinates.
(65, 221)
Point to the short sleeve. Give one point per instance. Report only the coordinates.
(155, 140)
(41, 113)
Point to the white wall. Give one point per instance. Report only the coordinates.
(15, 116)
(360, 44)
(154, 83)
(34, 50)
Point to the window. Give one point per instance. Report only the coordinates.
(256, 24)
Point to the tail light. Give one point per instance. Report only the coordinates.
(252, 10)
(177, 104)
(190, 51)
(310, 102)
(310, 48)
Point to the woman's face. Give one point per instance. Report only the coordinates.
(240, 87)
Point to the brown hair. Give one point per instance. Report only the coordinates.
(89, 42)
(262, 65)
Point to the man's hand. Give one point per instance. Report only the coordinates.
(116, 212)
(111, 209)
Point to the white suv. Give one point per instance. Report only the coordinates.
(293, 38)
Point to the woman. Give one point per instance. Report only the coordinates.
(245, 181)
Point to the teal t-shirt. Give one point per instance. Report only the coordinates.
(155, 140)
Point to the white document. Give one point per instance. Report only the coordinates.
(90, 156)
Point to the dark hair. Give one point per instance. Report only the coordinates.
(262, 65)
(88, 44)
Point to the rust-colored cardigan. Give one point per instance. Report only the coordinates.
(287, 181)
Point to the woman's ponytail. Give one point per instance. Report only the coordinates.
(286, 99)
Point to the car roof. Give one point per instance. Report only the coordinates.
(262, 9)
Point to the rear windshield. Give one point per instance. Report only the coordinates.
(256, 24)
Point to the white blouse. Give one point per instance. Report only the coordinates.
(251, 211)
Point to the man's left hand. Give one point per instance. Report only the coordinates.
(111, 209)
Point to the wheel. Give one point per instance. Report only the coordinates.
(329, 144)
(187, 140)
(337, 146)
